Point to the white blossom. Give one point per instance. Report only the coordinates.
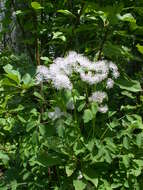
(42, 74)
(110, 83)
(112, 66)
(116, 74)
(61, 70)
(61, 82)
(80, 176)
(103, 109)
(98, 97)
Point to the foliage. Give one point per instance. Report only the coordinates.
(79, 148)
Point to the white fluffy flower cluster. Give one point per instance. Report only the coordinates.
(91, 72)
(61, 70)
(99, 97)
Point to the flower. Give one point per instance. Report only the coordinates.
(98, 97)
(110, 83)
(61, 70)
(42, 74)
(116, 74)
(61, 82)
(103, 109)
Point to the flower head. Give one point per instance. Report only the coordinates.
(98, 97)
(103, 109)
(110, 83)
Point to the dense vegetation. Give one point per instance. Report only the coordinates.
(54, 132)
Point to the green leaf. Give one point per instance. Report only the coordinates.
(31, 125)
(90, 174)
(46, 131)
(87, 116)
(38, 95)
(78, 148)
(27, 81)
(94, 108)
(79, 184)
(21, 119)
(46, 59)
(18, 12)
(126, 142)
(14, 185)
(4, 157)
(139, 140)
(126, 160)
(127, 18)
(67, 13)
(128, 84)
(70, 168)
(35, 137)
(140, 48)
(128, 94)
(107, 185)
(12, 74)
(82, 105)
(50, 159)
(59, 35)
(36, 5)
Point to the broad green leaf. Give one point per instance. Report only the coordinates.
(128, 94)
(27, 81)
(127, 17)
(94, 108)
(139, 140)
(78, 148)
(140, 48)
(87, 116)
(21, 119)
(116, 185)
(79, 184)
(46, 59)
(70, 168)
(8, 82)
(67, 13)
(35, 137)
(50, 159)
(46, 130)
(90, 144)
(14, 185)
(126, 160)
(38, 95)
(107, 185)
(36, 5)
(18, 12)
(4, 157)
(31, 125)
(82, 105)
(128, 84)
(126, 142)
(90, 174)
(12, 74)
(59, 35)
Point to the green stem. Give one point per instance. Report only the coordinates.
(103, 134)
(75, 113)
(93, 126)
